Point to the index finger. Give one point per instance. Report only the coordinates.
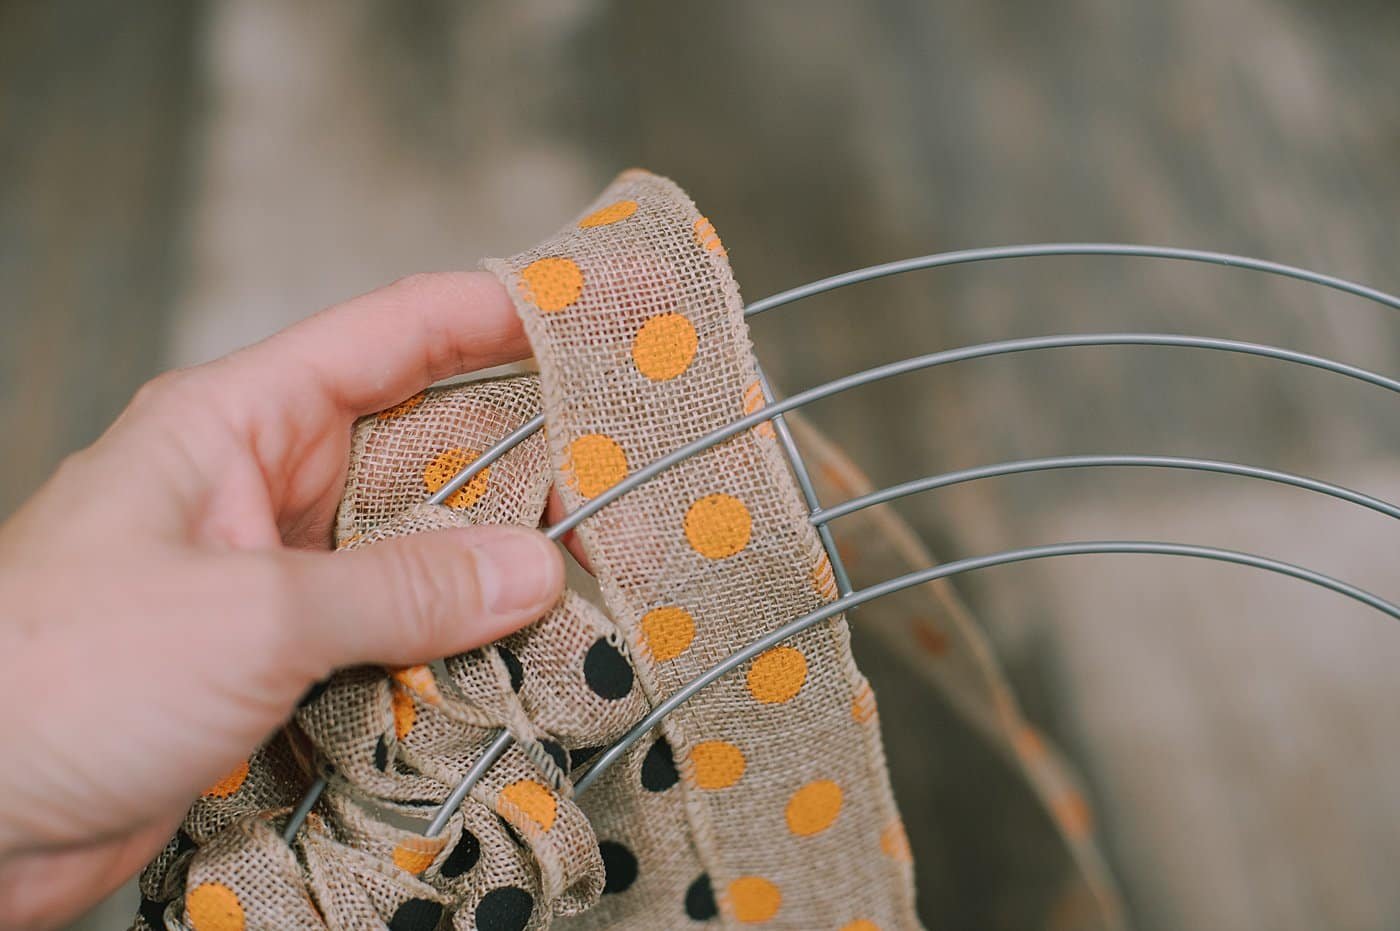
(375, 350)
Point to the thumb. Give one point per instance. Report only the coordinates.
(418, 598)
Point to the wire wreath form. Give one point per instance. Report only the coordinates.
(821, 517)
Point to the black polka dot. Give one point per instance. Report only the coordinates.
(416, 915)
(580, 755)
(153, 912)
(606, 670)
(313, 693)
(619, 867)
(517, 673)
(659, 767)
(504, 909)
(463, 857)
(561, 759)
(381, 755)
(700, 899)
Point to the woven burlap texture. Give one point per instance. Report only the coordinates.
(393, 742)
(936, 642)
(782, 797)
(523, 852)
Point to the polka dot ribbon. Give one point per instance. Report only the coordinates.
(764, 800)
(519, 853)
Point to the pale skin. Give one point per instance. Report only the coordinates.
(169, 594)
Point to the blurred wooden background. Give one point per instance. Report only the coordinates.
(179, 178)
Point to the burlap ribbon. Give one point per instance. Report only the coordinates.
(782, 797)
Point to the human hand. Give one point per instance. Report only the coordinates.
(165, 598)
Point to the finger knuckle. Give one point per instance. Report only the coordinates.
(159, 389)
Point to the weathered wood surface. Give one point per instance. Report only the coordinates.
(96, 114)
(1234, 729)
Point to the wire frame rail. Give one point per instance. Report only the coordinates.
(821, 517)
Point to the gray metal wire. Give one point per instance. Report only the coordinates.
(477, 465)
(775, 409)
(1041, 250)
(889, 587)
(821, 517)
(934, 359)
(809, 491)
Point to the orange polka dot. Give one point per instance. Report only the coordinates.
(931, 639)
(230, 783)
(1028, 743)
(1073, 814)
(824, 579)
(552, 284)
(863, 704)
(813, 808)
(668, 631)
(401, 408)
(613, 213)
(718, 764)
(777, 675)
(214, 907)
(420, 680)
(665, 346)
(753, 401)
(706, 236)
(596, 463)
(445, 466)
(529, 800)
(404, 712)
(895, 843)
(718, 526)
(416, 855)
(860, 924)
(754, 899)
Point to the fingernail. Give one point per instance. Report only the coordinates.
(517, 569)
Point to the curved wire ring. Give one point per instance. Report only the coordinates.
(774, 410)
(822, 516)
(1038, 250)
(794, 627)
